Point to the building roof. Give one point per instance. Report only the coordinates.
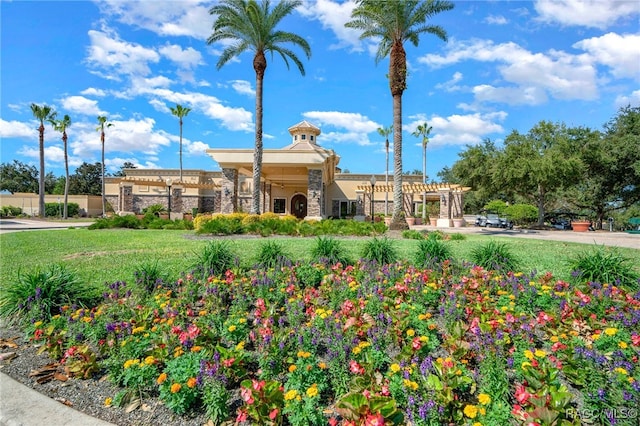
(302, 126)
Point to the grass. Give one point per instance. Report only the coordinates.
(114, 254)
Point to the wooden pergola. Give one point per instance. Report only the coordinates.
(415, 188)
(163, 183)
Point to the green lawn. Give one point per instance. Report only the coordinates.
(101, 256)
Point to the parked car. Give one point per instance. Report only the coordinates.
(560, 220)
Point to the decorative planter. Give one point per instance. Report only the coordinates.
(140, 216)
(433, 221)
(418, 221)
(458, 223)
(187, 216)
(387, 220)
(580, 225)
(411, 221)
(164, 216)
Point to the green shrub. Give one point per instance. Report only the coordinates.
(215, 258)
(412, 234)
(497, 206)
(154, 209)
(10, 211)
(522, 214)
(329, 250)
(604, 265)
(224, 224)
(457, 236)
(272, 255)
(494, 255)
(56, 209)
(150, 275)
(436, 235)
(431, 252)
(381, 250)
(309, 275)
(38, 295)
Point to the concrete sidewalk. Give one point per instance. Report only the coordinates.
(21, 224)
(22, 406)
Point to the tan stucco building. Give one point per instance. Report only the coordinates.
(301, 179)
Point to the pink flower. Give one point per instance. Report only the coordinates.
(522, 396)
(246, 395)
(385, 390)
(258, 385)
(273, 414)
(374, 420)
(635, 339)
(366, 393)
(242, 416)
(416, 344)
(355, 367)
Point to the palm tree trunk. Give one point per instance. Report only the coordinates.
(398, 207)
(104, 200)
(66, 176)
(180, 149)
(259, 65)
(41, 205)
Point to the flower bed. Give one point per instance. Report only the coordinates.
(364, 346)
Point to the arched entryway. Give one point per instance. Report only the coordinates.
(299, 206)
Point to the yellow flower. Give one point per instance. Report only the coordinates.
(470, 411)
(291, 394)
(149, 360)
(175, 388)
(131, 362)
(484, 399)
(424, 339)
(232, 328)
(595, 337)
(411, 332)
(553, 339)
(477, 424)
(356, 350)
(161, 378)
(622, 345)
(394, 368)
(611, 331)
(540, 353)
(322, 365)
(528, 354)
(525, 365)
(292, 368)
(137, 330)
(312, 391)
(240, 346)
(410, 384)
(621, 371)
(196, 348)
(37, 324)
(107, 402)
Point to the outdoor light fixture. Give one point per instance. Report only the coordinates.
(169, 182)
(227, 192)
(373, 185)
(314, 194)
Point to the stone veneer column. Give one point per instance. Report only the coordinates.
(456, 204)
(125, 201)
(444, 221)
(176, 199)
(359, 206)
(314, 187)
(229, 191)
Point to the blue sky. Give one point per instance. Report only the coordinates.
(507, 65)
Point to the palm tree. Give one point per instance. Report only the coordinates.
(61, 126)
(102, 123)
(423, 130)
(42, 113)
(180, 112)
(385, 132)
(393, 22)
(250, 25)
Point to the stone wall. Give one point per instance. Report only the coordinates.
(229, 201)
(314, 193)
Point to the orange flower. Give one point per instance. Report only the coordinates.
(191, 382)
(162, 378)
(175, 388)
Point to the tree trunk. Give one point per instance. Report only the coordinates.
(41, 206)
(541, 195)
(65, 213)
(259, 65)
(180, 149)
(397, 83)
(104, 199)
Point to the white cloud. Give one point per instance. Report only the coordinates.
(588, 13)
(185, 58)
(18, 129)
(196, 148)
(92, 91)
(510, 95)
(166, 18)
(451, 85)
(556, 73)
(633, 99)
(621, 53)
(342, 120)
(496, 20)
(458, 129)
(333, 15)
(243, 87)
(81, 105)
(115, 56)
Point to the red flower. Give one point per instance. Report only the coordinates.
(522, 396)
(258, 385)
(273, 414)
(374, 420)
(242, 416)
(416, 344)
(333, 422)
(355, 367)
(246, 395)
(635, 339)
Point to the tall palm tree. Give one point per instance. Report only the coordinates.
(180, 112)
(42, 113)
(61, 126)
(102, 123)
(250, 25)
(423, 130)
(393, 22)
(385, 132)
